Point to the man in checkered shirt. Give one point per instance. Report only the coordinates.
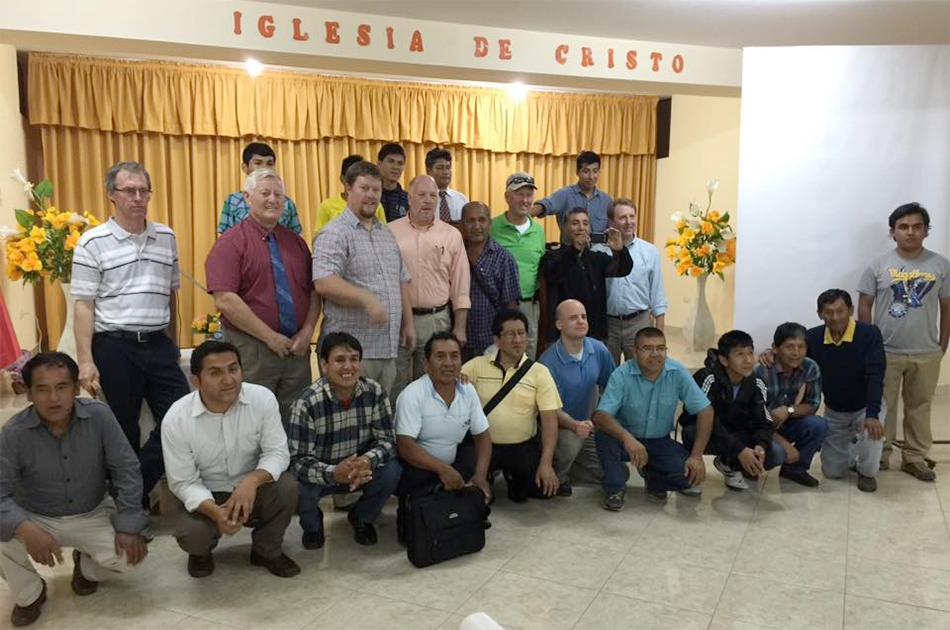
(341, 439)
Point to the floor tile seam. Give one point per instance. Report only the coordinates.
(495, 571)
(900, 563)
(401, 601)
(891, 601)
(656, 603)
(732, 565)
(196, 617)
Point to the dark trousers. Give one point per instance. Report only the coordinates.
(129, 372)
(274, 506)
(414, 479)
(665, 469)
(728, 445)
(368, 508)
(807, 434)
(519, 464)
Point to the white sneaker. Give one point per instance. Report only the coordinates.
(733, 478)
(692, 491)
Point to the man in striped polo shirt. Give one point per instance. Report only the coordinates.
(124, 278)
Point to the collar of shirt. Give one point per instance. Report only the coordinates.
(121, 234)
(633, 368)
(508, 224)
(350, 218)
(435, 394)
(496, 361)
(258, 229)
(780, 369)
(566, 357)
(33, 420)
(324, 385)
(198, 408)
(579, 191)
(847, 337)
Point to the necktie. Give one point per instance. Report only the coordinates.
(285, 300)
(444, 213)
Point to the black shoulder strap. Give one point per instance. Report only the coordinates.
(507, 387)
(484, 287)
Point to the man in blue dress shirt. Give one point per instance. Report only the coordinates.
(635, 417)
(583, 194)
(580, 365)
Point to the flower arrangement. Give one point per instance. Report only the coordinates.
(208, 325)
(705, 243)
(42, 244)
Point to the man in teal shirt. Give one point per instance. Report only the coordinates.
(517, 232)
(235, 209)
(635, 417)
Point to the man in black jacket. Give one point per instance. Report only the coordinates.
(742, 431)
(576, 272)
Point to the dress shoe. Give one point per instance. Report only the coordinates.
(363, 532)
(81, 585)
(565, 490)
(281, 566)
(866, 484)
(802, 478)
(200, 566)
(25, 615)
(313, 540)
(920, 470)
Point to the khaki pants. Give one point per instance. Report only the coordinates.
(91, 533)
(286, 377)
(575, 460)
(409, 364)
(274, 506)
(914, 377)
(621, 333)
(383, 371)
(531, 310)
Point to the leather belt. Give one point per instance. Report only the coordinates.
(430, 311)
(138, 336)
(624, 318)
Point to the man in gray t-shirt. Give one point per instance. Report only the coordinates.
(906, 288)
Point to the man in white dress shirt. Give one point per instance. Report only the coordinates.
(226, 460)
(439, 167)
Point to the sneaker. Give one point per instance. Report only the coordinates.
(733, 478)
(25, 615)
(200, 566)
(657, 496)
(614, 501)
(692, 491)
(919, 470)
(799, 477)
(565, 490)
(364, 532)
(281, 566)
(82, 586)
(312, 540)
(866, 484)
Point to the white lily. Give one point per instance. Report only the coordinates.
(6, 232)
(77, 219)
(727, 234)
(17, 175)
(695, 209)
(712, 186)
(694, 223)
(676, 217)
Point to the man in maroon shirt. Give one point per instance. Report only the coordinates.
(259, 273)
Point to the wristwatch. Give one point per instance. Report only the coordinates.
(791, 411)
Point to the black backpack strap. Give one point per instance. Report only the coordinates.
(484, 287)
(508, 386)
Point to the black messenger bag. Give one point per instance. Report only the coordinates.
(444, 525)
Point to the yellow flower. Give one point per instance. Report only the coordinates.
(723, 257)
(93, 221)
(214, 327)
(31, 263)
(718, 266)
(38, 234)
(685, 255)
(689, 234)
(695, 271)
(703, 251)
(682, 268)
(72, 239)
(714, 215)
(731, 248)
(55, 218)
(707, 227)
(26, 245)
(680, 224)
(13, 271)
(671, 252)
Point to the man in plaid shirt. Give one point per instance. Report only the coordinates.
(341, 439)
(235, 208)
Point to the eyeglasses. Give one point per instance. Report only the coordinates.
(652, 349)
(135, 192)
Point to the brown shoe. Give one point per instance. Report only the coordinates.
(919, 470)
(200, 566)
(81, 585)
(25, 615)
(281, 566)
(866, 484)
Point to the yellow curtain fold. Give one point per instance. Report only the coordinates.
(92, 113)
(179, 99)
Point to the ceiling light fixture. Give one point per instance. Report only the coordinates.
(517, 91)
(253, 67)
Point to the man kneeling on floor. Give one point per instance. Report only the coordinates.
(226, 460)
(742, 431)
(635, 417)
(441, 430)
(56, 455)
(341, 440)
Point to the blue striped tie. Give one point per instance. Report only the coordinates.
(285, 300)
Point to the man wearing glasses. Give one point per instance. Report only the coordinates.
(124, 278)
(635, 417)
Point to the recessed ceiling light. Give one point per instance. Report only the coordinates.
(253, 67)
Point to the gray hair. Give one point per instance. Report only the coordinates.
(128, 167)
(256, 177)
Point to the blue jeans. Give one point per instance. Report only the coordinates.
(806, 434)
(664, 470)
(368, 508)
(727, 446)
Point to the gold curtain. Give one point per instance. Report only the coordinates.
(183, 123)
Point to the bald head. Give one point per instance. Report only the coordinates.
(570, 318)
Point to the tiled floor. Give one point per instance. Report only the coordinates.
(778, 557)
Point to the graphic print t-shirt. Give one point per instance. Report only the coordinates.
(906, 299)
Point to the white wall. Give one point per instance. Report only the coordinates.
(832, 140)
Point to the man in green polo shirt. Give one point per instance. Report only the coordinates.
(521, 235)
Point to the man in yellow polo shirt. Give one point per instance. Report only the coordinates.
(332, 206)
(526, 465)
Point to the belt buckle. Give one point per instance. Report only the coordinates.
(139, 338)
